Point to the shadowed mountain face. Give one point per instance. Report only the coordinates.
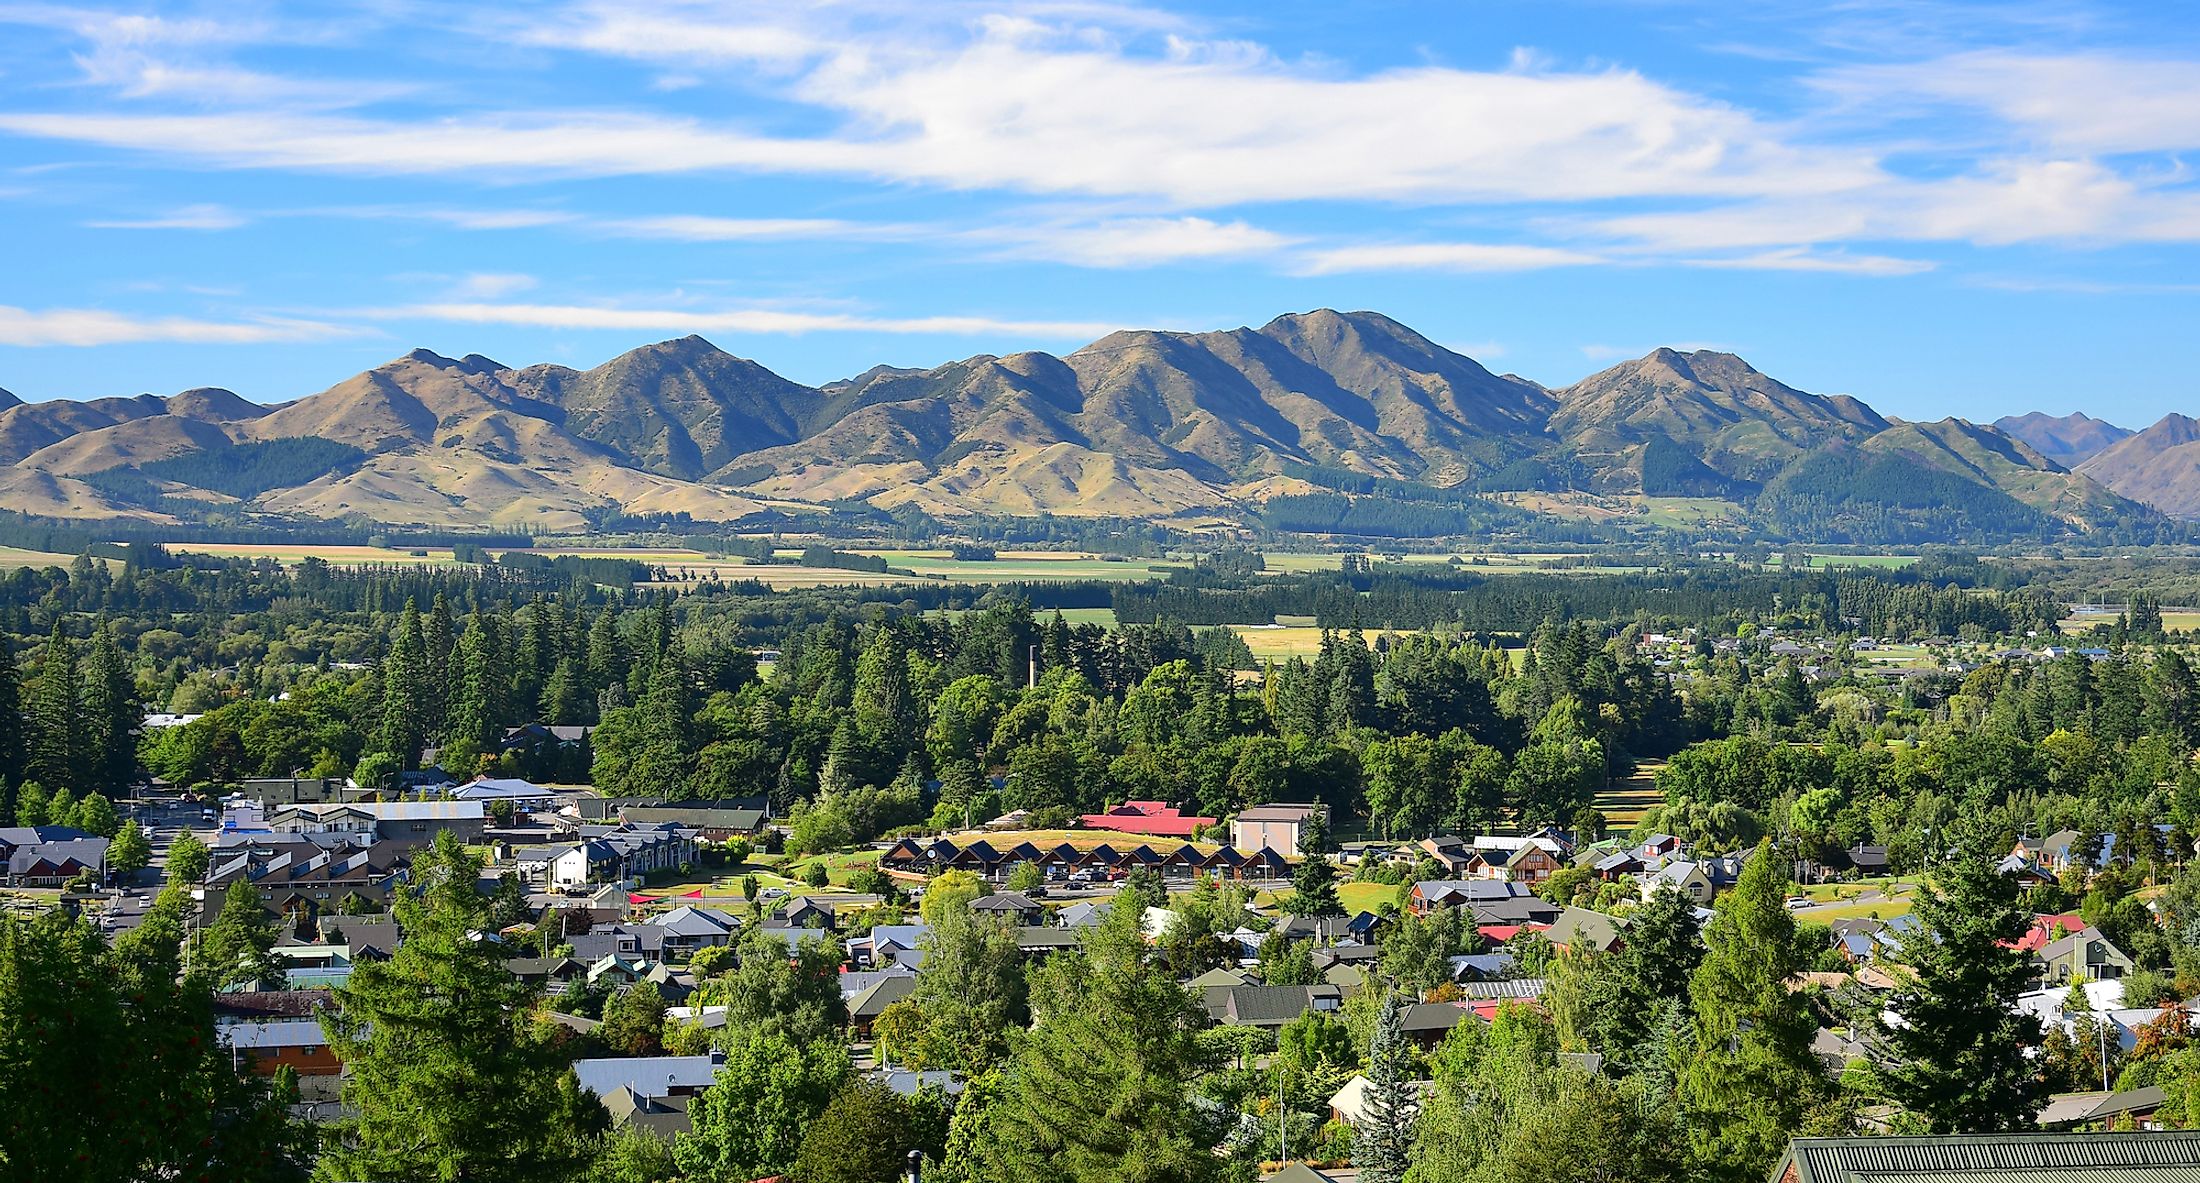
(2068, 440)
(1145, 424)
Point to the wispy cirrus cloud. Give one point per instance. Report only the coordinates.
(1135, 242)
(733, 320)
(190, 217)
(1443, 256)
(94, 326)
(1803, 259)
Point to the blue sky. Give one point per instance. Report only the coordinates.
(1944, 208)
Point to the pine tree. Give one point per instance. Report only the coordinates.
(1753, 1075)
(1103, 1079)
(1314, 888)
(238, 948)
(55, 733)
(1383, 1143)
(449, 1077)
(479, 708)
(1959, 1049)
(439, 644)
(13, 757)
(110, 715)
(404, 691)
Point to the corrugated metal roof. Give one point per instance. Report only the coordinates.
(2044, 1175)
(2029, 1158)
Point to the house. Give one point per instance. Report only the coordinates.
(1083, 914)
(1153, 818)
(2098, 1110)
(1270, 1007)
(865, 1008)
(1350, 1103)
(539, 738)
(889, 944)
(804, 912)
(649, 1076)
(2060, 849)
(55, 862)
(1529, 864)
(1581, 929)
(606, 854)
(1274, 827)
(301, 880)
(408, 823)
(688, 929)
(2026, 872)
(1040, 940)
(663, 1118)
(1426, 1023)
(2083, 952)
(523, 795)
(1692, 879)
(266, 1045)
(1453, 893)
(1013, 907)
(2001, 1158)
(297, 790)
(713, 824)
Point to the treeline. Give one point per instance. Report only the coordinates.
(1892, 604)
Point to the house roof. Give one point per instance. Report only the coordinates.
(648, 1076)
(1005, 901)
(1277, 813)
(881, 994)
(1996, 1158)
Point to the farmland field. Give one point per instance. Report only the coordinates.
(11, 557)
(1010, 566)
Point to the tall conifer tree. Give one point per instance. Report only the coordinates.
(1752, 1076)
(55, 731)
(1959, 1050)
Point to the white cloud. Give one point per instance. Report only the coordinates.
(1050, 108)
(2084, 102)
(92, 326)
(1802, 259)
(1442, 256)
(190, 217)
(1138, 242)
(701, 228)
(491, 285)
(737, 320)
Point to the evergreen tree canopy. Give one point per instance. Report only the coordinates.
(1959, 1047)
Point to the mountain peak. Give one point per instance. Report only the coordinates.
(8, 399)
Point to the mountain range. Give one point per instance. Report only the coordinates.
(1192, 428)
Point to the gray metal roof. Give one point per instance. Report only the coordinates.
(1996, 1158)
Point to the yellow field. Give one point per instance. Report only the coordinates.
(11, 557)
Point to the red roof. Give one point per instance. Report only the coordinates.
(1146, 817)
(2042, 933)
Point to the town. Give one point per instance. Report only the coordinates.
(596, 883)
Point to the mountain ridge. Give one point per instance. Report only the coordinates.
(1167, 425)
